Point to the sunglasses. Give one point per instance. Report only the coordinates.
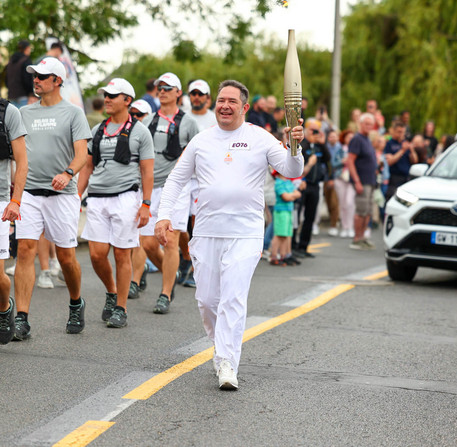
(138, 114)
(165, 88)
(111, 95)
(41, 77)
(197, 93)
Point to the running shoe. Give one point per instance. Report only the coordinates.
(45, 280)
(190, 281)
(7, 324)
(134, 290)
(118, 318)
(163, 305)
(75, 323)
(110, 303)
(184, 267)
(21, 329)
(227, 376)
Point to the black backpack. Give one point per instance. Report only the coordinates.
(122, 153)
(173, 149)
(6, 151)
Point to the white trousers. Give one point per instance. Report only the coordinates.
(223, 270)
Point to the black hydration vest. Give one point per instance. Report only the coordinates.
(122, 153)
(173, 149)
(6, 150)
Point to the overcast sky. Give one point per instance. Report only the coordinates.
(312, 20)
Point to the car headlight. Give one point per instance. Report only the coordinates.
(405, 197)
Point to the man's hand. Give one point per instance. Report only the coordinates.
(160, 231)
(60, 181)
(11, 212)
(297, 132)
(142, 216)
(358, 187)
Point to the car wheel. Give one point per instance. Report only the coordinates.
(399, 272)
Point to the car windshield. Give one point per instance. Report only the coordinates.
(447, 166)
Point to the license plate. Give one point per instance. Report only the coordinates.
(439, 238)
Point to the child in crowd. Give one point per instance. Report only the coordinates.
(286, 193)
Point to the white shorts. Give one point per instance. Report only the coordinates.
(4, 234)
(193, 196)
(180, 214)
(57, 215)
(112, 220)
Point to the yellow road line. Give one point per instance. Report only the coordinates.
(376, 276)
(324, 244)
(151, 386)
(85, 434)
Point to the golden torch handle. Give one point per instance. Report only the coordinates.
(292, 89)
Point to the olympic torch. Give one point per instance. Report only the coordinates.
(292, 89)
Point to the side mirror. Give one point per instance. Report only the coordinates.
(418, 170)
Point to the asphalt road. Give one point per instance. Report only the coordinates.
(339, 355)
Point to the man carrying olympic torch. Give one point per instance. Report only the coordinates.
(230, 161)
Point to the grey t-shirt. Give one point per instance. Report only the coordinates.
(51, 132)
(205, 121)
(15, 128)
(187, 130)
(109, 176)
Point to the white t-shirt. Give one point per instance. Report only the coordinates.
(230, 167)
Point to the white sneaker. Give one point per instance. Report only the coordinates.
(10, 270)
(344, 233)
(227, 376)
(44, 280)
(367, 233)
(351, 234)
(333, 231)
(54, 267)
(316, 230)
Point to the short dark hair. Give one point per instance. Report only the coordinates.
(398, 124)
(150, 86)
(98, 104)
(57, 45)
(244, 92)
(22, 45)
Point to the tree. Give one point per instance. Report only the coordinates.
(80, 25)
(84, 24)
(404, 54)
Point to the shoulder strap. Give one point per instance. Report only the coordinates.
(122, 153)
(96, 143)
(153, 125)
(6, 150)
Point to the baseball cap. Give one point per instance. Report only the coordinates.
(201, 86)
(48, 65)
(118, 85)
(142, 106)
(171, 79)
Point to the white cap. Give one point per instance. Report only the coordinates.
(142, 106)
(170, 79)
(49, 65)
(201, 86)
(118, 85)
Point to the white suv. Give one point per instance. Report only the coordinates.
(420, 227)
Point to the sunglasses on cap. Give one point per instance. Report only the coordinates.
(165, 88)
(138, 114)
(42, 77)
(197, 93)
(110, 95)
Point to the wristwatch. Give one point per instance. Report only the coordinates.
(70, 171)
(147, 202)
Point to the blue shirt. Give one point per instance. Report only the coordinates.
(401, 167)
(283, 186)
(365, 163)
